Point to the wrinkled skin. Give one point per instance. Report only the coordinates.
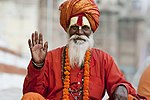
(37, 49)
(120, 93)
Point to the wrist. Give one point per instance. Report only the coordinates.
(40, 65)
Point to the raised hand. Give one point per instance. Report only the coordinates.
(38, 50)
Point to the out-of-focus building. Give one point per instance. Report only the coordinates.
(18, 19)
(121, 33)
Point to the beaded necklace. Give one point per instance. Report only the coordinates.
(66, 77)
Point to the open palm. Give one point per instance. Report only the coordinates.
(38, 50)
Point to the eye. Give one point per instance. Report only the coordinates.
(74, 28)
(86, 28)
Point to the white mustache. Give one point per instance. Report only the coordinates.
(79, 37)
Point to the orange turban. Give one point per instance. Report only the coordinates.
(72, 8)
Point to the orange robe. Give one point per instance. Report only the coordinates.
(144, 83)
(104, 75)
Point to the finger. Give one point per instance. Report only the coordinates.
(36, 37)
(33, 39)
(41, 39)
(29, 43)
(45, 46)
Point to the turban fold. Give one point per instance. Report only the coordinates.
(71, 8)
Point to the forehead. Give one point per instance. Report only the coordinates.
(79, 20)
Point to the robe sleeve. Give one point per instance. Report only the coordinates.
(144, 83)
(36, 80)
(114, 77)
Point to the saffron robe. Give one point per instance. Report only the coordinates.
(144, 84)
(104, 75)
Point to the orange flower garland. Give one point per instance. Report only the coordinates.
(86, 75)
(67, 69)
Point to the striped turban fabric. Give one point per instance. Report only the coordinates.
(71, 8)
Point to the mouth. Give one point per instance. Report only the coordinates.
(80, 39)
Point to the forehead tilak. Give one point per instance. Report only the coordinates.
(79, 20)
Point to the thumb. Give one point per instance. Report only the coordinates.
(45, 46)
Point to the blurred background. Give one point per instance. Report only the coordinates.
(124, 33)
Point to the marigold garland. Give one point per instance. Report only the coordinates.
(67, 69)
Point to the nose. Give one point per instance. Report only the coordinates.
(80, 31)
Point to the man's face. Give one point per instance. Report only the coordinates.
(79, 25)
(80, 39)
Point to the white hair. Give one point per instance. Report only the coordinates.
(78, 48)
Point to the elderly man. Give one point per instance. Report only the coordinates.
(76, 71)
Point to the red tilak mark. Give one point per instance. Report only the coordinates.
(79, 21)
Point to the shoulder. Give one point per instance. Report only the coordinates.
(147, 71)
(55, 51)
(148, 68)
(101, 53)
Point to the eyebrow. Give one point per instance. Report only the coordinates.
(87, 25)
(81, 26)
(74, 25)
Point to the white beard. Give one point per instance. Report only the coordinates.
(78, 48)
